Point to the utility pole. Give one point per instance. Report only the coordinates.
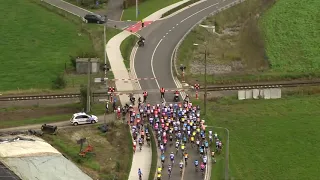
(137, 10)
(105, 54)
(88, 86)
(205, 80)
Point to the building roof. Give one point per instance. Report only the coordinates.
(7, 174)
(31, 158)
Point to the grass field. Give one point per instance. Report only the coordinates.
(269, 139)
(146, 8)
(256, 43)
(292, 35)
(35, 45)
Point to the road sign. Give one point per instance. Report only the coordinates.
(103, 100)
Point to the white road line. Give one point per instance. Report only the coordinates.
(154, 51)
(169, 30)
(198, 12)
(164, 36)
(166, 33)
(177, 24)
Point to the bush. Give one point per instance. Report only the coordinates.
(59, 82)
(73, 61)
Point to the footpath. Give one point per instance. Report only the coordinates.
(141, 159)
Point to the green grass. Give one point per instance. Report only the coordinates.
(270, 139)
(146, 8)
(62, 35)
(97, 109)
(154, 160)
(126, 48)
(259, 48)
(130, 148)
(35, 45)
(292, 36)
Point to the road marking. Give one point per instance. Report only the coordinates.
(173, 27)
(198, 12)
(166, 33)
(164, 36)
(177, 24)
(154, 51)
(169, 30)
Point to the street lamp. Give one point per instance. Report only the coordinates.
(205, 75)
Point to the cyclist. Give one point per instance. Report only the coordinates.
(182, 148)
(181, 166)
(140, 143)
(159, 170)
(205, 160)
(162, 159)
(159, 176)
(185, 157)
(196, 164)
(148, 139)
(184, 139)
(206, 144)
(172, 157)
(139, 173)
(192, 140)
(169, 170)
(202, 167)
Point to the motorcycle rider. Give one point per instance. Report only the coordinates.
(176, 96)
(132, 98)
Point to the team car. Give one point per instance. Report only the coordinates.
(83, 118)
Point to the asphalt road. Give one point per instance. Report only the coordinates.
(154, 60)
(113, 12)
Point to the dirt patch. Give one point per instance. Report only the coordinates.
(112, 155)
(34, 112)
(236, 46)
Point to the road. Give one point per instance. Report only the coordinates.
(154, 60)
(82, 12)
(61, 124)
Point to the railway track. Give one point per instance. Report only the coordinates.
(209, 88)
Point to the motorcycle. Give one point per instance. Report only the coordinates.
(176, 98)
(141, 42)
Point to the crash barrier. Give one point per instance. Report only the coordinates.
(271, 93)
(49, 128)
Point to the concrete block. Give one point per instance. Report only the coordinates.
(241, 95)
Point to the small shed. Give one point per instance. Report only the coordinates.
(82, 65)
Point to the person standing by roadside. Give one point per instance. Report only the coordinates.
(162, 91)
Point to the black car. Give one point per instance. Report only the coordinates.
(94, 18)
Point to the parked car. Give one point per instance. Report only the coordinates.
(83, 118)
(94, 18)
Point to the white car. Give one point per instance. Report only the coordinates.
(83, 118)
